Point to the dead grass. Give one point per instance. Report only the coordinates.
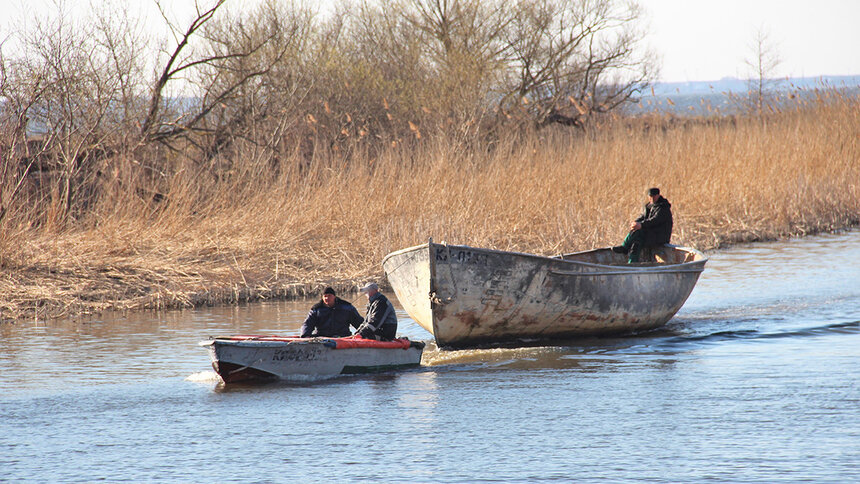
(259, 235)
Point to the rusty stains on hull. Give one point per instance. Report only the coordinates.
(469, 319)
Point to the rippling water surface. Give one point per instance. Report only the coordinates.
(756, 379)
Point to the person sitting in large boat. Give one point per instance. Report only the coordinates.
(652, 228)
(331, 317)
(380, 322)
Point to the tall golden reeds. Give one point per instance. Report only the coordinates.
(256, 232)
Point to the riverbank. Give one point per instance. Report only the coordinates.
(89, 283)
(260, 235)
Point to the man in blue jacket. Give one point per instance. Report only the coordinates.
(331, 317)
(380, 322)
(652, 228)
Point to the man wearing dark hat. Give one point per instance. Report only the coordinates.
(652, 228)
(331, 317)
(380, 322)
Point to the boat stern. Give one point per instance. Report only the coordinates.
(233, 371)
(411, 274)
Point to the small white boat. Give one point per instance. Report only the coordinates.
(253, 357)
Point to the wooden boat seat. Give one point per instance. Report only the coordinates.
(654, 254)
(664, 254)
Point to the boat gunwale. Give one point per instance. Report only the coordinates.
(257, 343)
(324, 342)
(675, 269)
(625, 269)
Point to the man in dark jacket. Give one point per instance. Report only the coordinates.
(380, 322)
(652, 228)
(331, 317)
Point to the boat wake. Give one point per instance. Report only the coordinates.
(488, 357)
(572, 354)
(203, 377)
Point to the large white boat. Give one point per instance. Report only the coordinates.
(468, 296)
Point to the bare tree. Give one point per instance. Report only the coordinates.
(79, 86)
(571, 58)
(561, 60)
(120, 39)
(182, 62)
(73, 87)
(260, 85)
(762, 67)
(71, 90)
(463, 50)
(18, 150)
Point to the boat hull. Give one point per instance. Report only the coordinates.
(469, 296)
(254, 358)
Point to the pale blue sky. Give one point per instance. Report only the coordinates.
(697, 40)
(707, 40)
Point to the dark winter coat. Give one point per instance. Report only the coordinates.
(332, 321)
(657, 222)
(380, 322)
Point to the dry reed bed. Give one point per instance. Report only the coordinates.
(550, 192)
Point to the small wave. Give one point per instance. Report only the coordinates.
(203, 377)
(719, 335)
(851, 327)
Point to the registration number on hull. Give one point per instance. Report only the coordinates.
(300, 354)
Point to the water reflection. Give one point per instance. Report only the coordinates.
(779, 275)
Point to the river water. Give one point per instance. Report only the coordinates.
(757, 379)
